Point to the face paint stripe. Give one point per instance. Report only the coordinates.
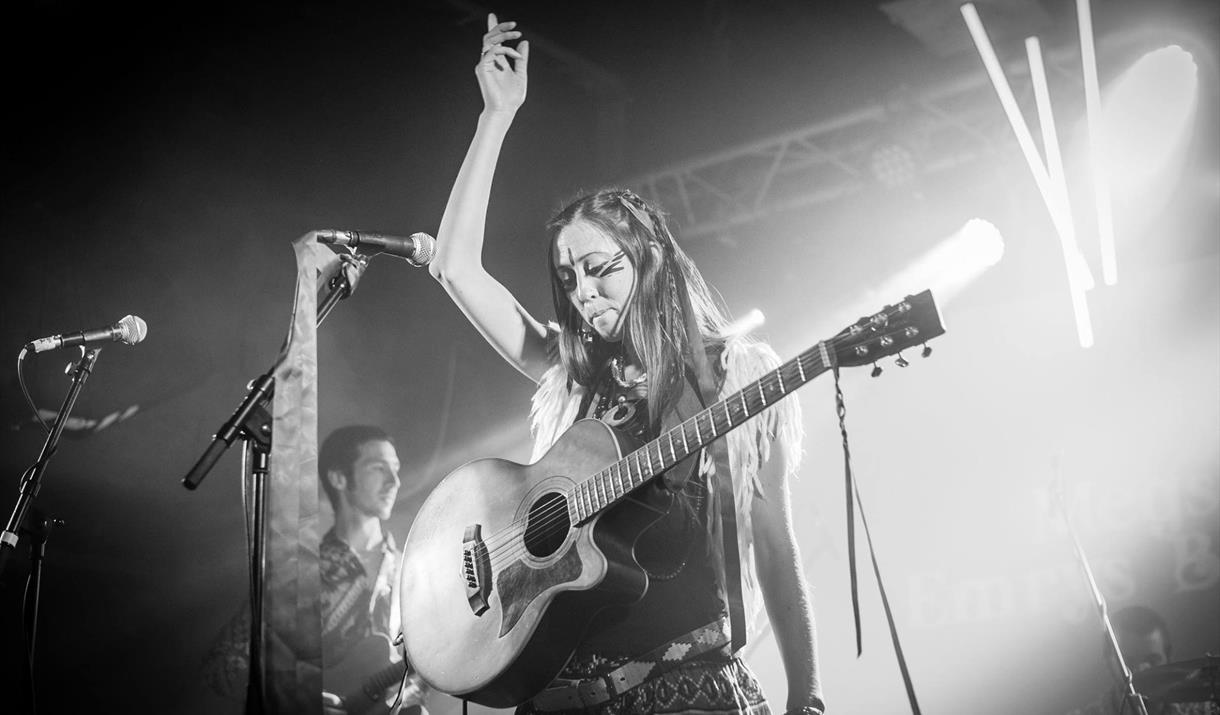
(614, 265)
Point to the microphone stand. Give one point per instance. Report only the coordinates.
(32, 481)
(251, 422)
(39, 531)
(1103, 611)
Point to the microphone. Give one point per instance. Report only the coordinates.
(416, 250)
(131, 329)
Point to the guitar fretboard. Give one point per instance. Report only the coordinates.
(611, 484)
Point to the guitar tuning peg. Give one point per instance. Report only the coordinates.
(901, 361)
(876, 370)
(926, 351)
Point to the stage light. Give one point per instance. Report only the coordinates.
(962, 258)
(981, 244)
(955, 262)
(947, 268)
(893, 165)
(1148, 115)
(746, 323)
(1050, 180)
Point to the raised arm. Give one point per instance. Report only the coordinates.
(458, 263)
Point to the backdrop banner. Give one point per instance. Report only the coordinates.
(292, 618)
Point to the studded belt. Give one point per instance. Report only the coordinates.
(564, 694)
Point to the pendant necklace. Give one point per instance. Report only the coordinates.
(616, 371)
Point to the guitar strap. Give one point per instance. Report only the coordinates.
(724, 528)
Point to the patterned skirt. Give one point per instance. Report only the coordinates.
(695, 688)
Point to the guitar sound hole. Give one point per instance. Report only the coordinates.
(547, 525)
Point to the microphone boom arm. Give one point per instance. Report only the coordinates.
(251, 418)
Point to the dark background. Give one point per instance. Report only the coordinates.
(160, 159)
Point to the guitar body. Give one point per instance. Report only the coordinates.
(498, 587)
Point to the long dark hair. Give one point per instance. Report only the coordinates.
(656, 335)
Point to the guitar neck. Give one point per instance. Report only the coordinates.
(386, 677)
(608, 486)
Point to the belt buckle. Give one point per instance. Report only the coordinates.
(595, 692)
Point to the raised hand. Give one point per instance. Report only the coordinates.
(502, 70)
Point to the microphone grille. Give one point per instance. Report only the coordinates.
(425, 248)
(132, 329)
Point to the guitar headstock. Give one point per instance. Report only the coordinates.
(912, 321)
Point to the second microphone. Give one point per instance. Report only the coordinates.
(416, 249)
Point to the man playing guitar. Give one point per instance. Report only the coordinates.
(359, 560)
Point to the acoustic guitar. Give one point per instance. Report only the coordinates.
(506, 564)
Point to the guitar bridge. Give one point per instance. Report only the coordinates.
(476, 569)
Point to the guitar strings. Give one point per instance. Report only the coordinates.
(549, 520)
(548, 523)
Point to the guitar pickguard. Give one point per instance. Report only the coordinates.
(519, 584)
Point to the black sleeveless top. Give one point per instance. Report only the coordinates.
(682, 593)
